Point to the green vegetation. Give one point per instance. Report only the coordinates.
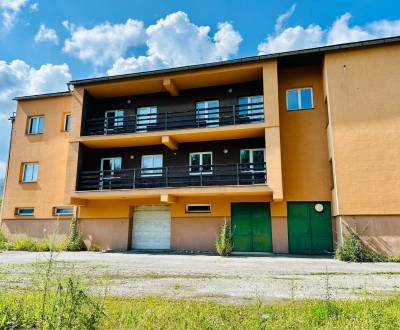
(75, 242)
(71, 307)
(53, 302)
(224, 241)
(353, 249)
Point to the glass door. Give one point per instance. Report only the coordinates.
(109, 168)
(114, 119)
(207, 113)
(145, 118)
(251, 107)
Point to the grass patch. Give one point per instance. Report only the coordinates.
(163, 313)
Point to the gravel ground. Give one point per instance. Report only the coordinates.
(235, 279)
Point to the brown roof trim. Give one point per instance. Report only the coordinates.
(239, 60)
(41, 96)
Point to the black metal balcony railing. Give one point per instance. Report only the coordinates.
(211, 117)
(174, 176)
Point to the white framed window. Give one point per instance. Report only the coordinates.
(145, 116)
(67, 122)
(252, 106)
(152, 165)
(113, 119)
(30, 172)
(63, 211)
(200, 163)
(299, 99)
(208, 112)
(35, 125)
(198, 208)
(252, 160)
(25, 211)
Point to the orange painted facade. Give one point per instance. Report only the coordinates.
(345, 150)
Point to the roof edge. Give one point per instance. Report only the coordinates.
(42, 96)
(314, 50)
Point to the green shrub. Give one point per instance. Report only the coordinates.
(224, 240)
(94, 248)
(394, 258)
(3, 241)
(25, 244)
(353, 249)
(75, 242)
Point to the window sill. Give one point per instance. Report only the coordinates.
(297, 110)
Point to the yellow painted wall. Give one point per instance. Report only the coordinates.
(305, 160)
(49, 149)
(364, 105)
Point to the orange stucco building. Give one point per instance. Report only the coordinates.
(293, 149)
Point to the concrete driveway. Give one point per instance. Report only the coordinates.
(235, 279)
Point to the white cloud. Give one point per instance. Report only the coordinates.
(299, 37)
(103, 43)
(34, 7)
(46, 34)
(9, 9)
(175, 41)
(284, 17)
(18, 78)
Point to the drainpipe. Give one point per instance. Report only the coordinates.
(12, 120)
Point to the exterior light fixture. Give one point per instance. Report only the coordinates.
(225, 151)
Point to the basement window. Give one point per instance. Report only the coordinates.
(198, 208)
(63, 211)
(28, 211)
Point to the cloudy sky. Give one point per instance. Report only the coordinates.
(44, 44)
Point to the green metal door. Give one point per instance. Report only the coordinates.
(309, 230)
(251, 227)
(241, 227)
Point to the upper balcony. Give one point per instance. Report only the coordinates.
(198, 114)
(147, 119)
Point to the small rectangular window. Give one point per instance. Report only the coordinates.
(198, 208)
(30, 172)
(67, 122)
(36, 125)
(63, 211)
(28, 211)
(299, 99)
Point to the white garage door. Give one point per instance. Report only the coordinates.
(151, 228)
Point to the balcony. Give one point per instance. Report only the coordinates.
(174, 177)
(250, 113)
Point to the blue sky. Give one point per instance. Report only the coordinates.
(44, 43)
